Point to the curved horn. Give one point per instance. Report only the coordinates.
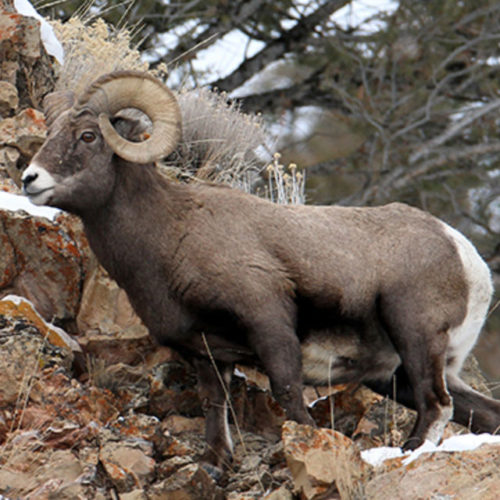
(133, 89)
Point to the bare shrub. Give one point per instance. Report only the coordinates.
(219, 141)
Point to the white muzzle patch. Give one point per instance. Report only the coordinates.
(38, 184)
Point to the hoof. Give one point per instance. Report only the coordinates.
(412, 444)
(213, 471)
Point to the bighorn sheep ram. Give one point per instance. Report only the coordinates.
(308, 292)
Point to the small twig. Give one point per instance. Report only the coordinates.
(192, 49)
(493, 308)
(331, 397)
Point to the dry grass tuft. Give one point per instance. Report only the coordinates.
(286, 185)
(92, 50)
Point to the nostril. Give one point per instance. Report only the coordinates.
(29, 179)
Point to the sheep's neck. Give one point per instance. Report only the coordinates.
(141, 221)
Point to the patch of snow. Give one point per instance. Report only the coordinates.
(427, 447)
(14, 203)
(70, 341)
(15, 299)
(377, 456)
(240, 374)
(50, 42)
(465, 442)
(361, 14)
(313, 404)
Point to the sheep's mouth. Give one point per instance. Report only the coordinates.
(36, 193)
(40, 197)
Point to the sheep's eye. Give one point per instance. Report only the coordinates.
(88, 137)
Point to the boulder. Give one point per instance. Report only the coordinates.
(190, 482)
(255, 408)
(105, 308)
(10, 174)
(461, 474)
(20, 35)
(23, 60)
(41, 474)
(28, 344)
(43, 260)
(128, 465)
(109, 328)
(133, 495)
(322, 462)
(25, 131)
(9, 98)
(281, 493)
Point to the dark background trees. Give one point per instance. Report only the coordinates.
(395, 102)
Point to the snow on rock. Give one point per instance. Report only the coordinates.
(464, 442)
(14, 203)
(377, 456)
(51, 43)
(20, 307)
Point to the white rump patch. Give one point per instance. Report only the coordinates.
(478, 276)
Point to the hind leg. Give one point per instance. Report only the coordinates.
(422, 349)
(432, 400)
(473, 409)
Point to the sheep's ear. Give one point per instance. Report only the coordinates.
(56, 103)
(131, 125)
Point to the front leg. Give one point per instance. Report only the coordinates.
(278, 348)
(212, 394)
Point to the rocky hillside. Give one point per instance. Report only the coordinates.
(90, 408)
